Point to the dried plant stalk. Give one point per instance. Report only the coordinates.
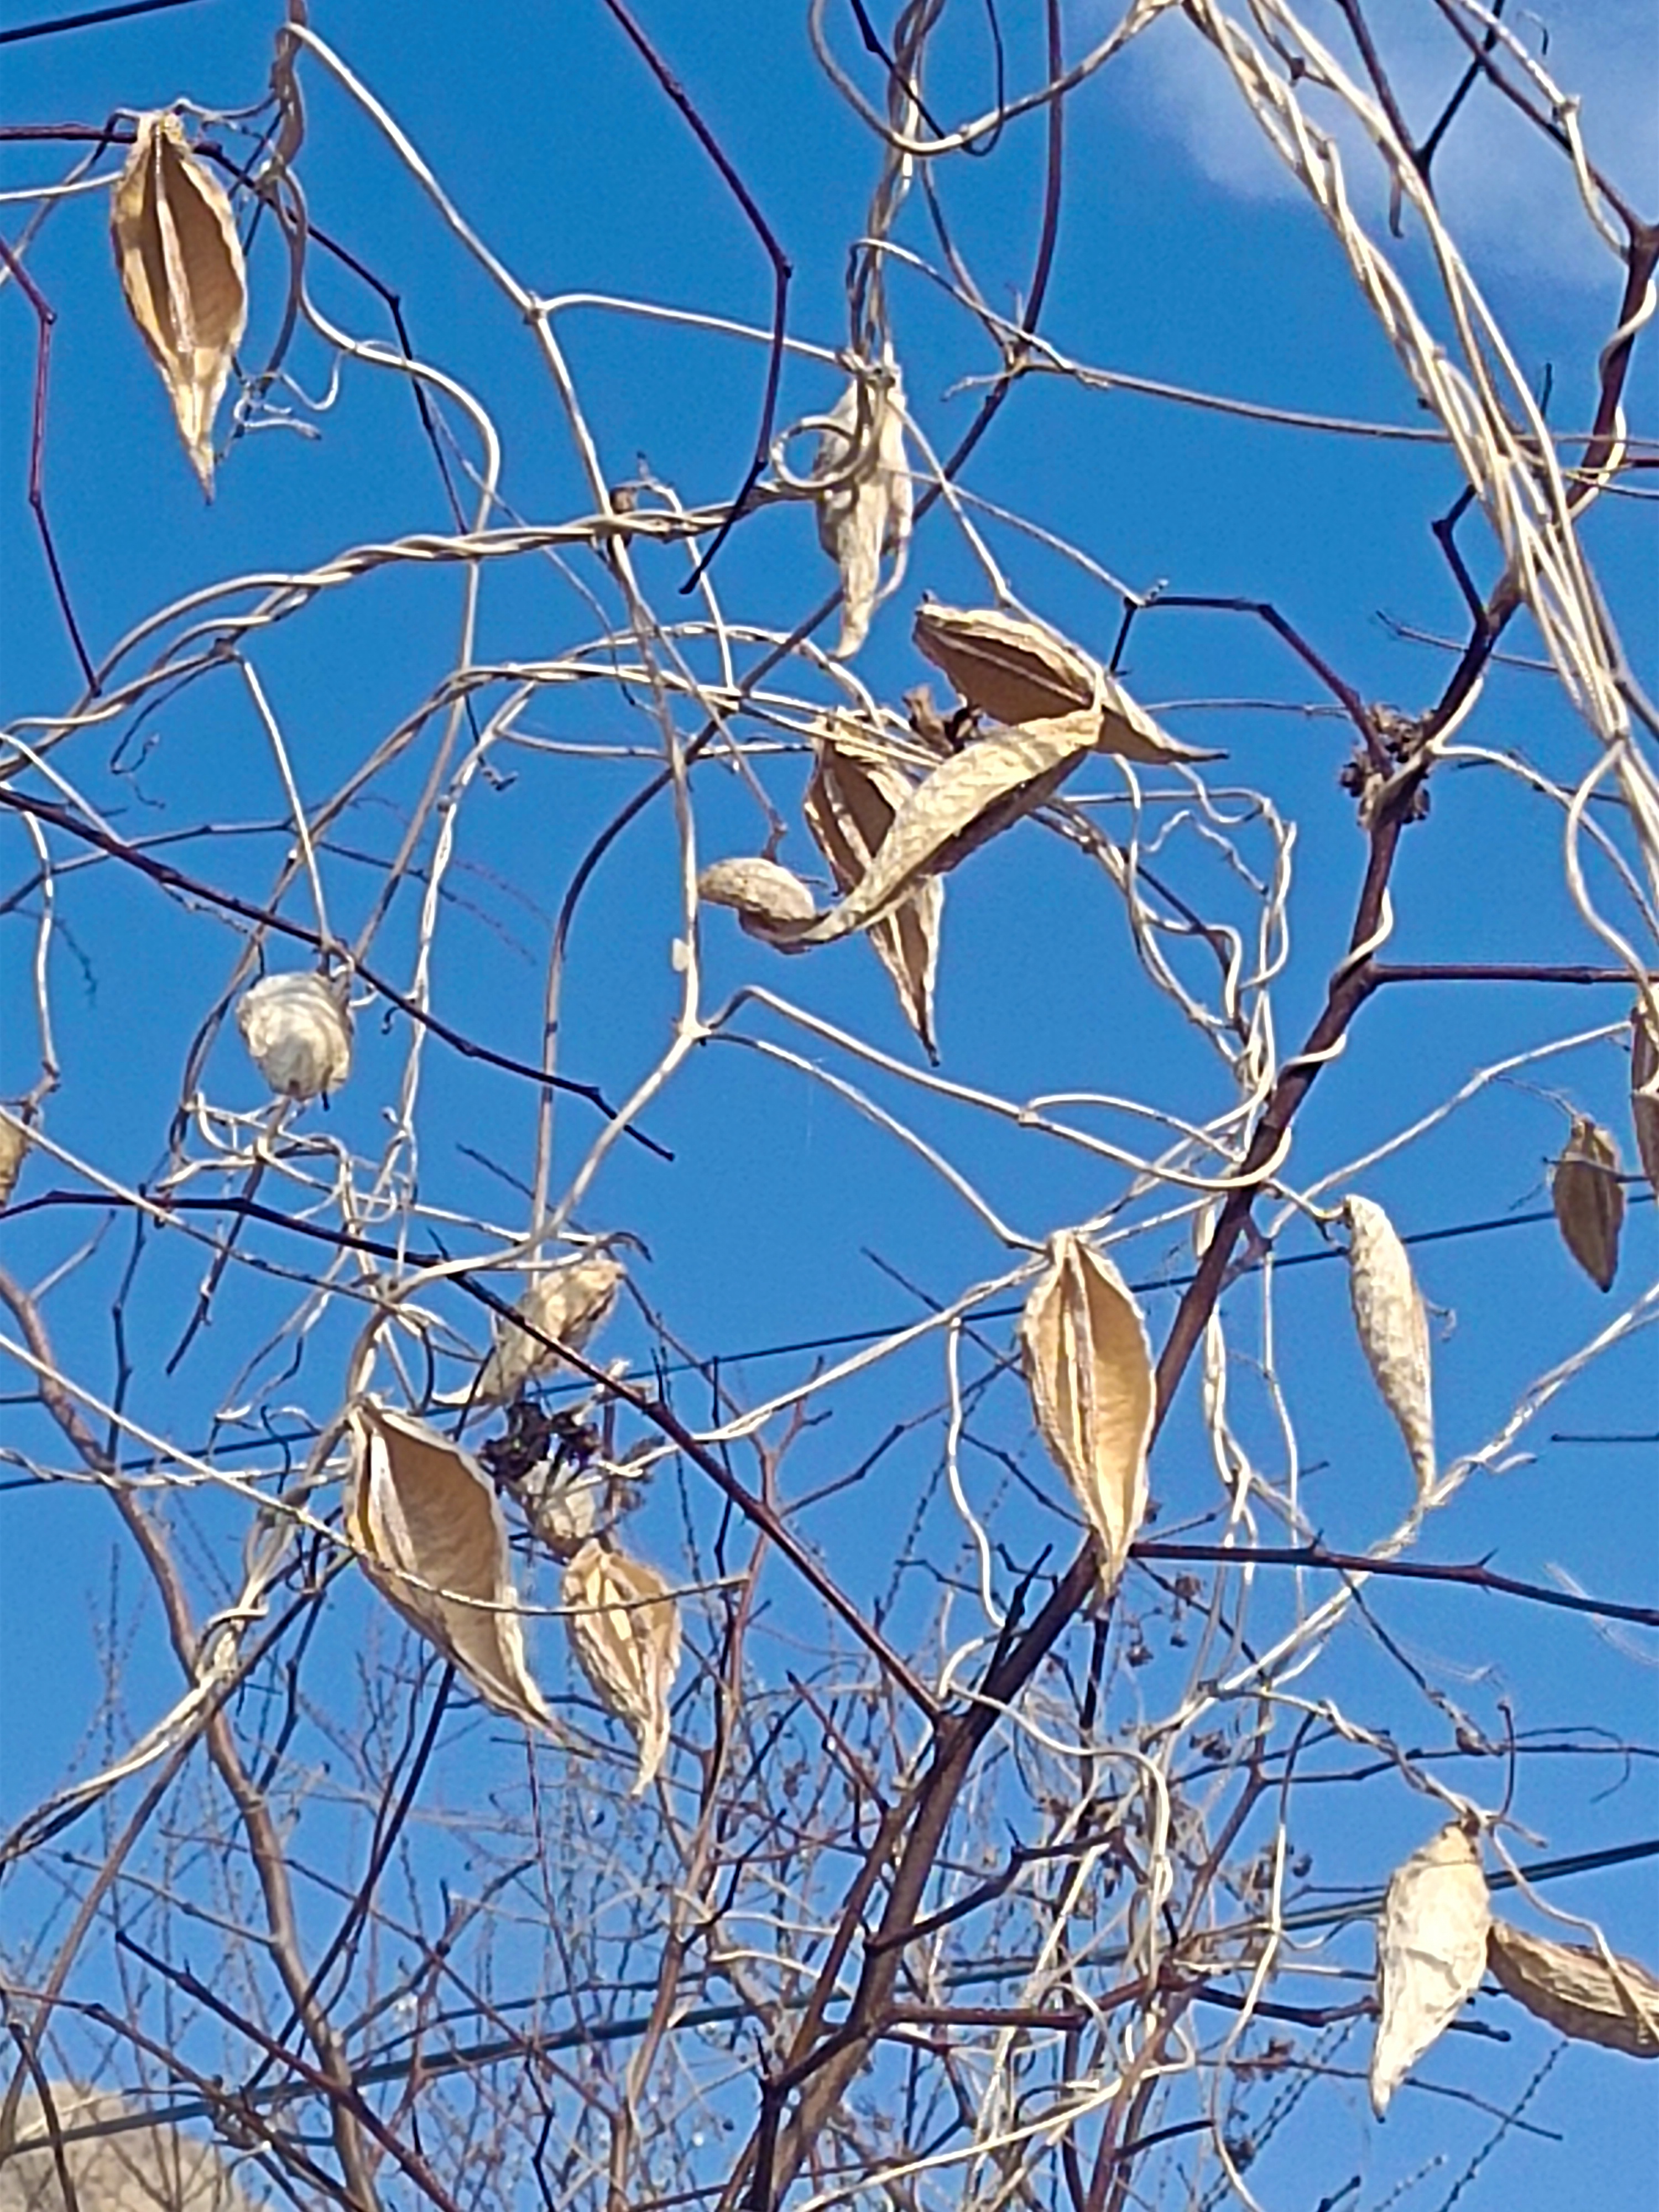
(425, 1519)
(298, 1031)
(850, 802)
(1431, 1952)
(1644, 1089)
(1089, 1368)
(867, 509)
(625, 1630)
(570, 1302)
(1589, 1204)
(770, 901)
(1020, 673)
(182, 273)
(1574, 1989)
(1392, 1326)
(14, 1150)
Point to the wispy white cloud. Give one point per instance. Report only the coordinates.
(1507, 194)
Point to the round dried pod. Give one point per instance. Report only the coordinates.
(13, 1148)
(1393, 1326)
(625, 1630)
(298, 1033)
(1576, 1990)
(1589, 1204)
(769, 900)
(1431, 1954)
(568, 1302)
(1009, 668)
(1644, 1088)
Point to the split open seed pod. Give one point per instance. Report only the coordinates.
(1089, 1368)
(769, 900)
(298, 1031)
(1431, 1954)
(625, 1630)
(14, 1150)
(182, 273)
(1588, 1201)
(1393, 1326)
(1644, 1089)
(850, 803)
(1572, 1987)
(432, 1539)
(867, 504)
(1017, 670)
(568, 1302)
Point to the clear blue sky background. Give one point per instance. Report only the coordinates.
(1183, 258)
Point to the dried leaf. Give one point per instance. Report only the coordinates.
(182, 270)
(1573, 1988)
(425, 1518)
(964, 802)
(1431, 1954)
(625, 1628)
(1089, 1368)
(866, 509)
(14, 1150)
(1392, 1326)
(1589, 1204)
(769, 899)
(1644, 1089)
(570, 1302)
(1020, 673)
(298, 1032)
(850, 802)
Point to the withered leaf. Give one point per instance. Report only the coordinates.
(625, 1630)
(1431, 1954)
(1571, 1986)
(854, 792)
(1021, 673)
(1589, 1201)
(966, 800)
(182, 273)
(298, 1032)
(1644, 1088)
(867, 504)
(1089, 1368)
(770, 901)
(431, 1538)
(1392, 1328)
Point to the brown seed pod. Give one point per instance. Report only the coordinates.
(1431, 1954)
(1089, 1368)
(770, 901)
(865, 510)
(1393, 1326)
(570, 1302)
(14, 1150)
(1644, 1088)
(1589, 1204)
(625, 1630)
(1574, 1989)
(182, 273)
(298, 1033)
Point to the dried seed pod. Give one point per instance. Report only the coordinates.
(1089, 1368)
(14, 1149)
(625, 1630)
(770, 901)
(182, 271)
(1019, 671)
(1644, 1089)
(1589, 1204)
(115, 2159)
(866, 506)
(964, 802)
(850, 802)
(425, 1518)
(1574, 1989)
(1392, 1326)
(298, 1032)
(1431, 1954)
(569, 1302)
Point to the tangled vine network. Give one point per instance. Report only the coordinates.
(1042, 1730)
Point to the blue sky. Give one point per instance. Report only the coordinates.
(1184, 258)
